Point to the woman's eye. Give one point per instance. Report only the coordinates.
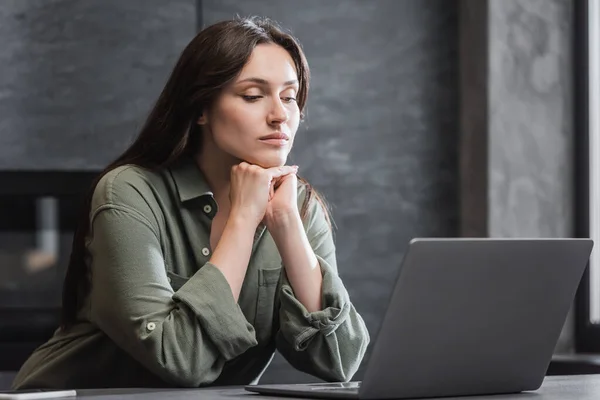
(251, 98)
(289, 99)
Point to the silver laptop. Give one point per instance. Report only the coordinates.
(466, 317)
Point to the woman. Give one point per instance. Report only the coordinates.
(200, 252)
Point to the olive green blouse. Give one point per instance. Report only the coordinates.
(160, 314)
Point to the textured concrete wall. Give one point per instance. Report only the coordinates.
(380, 138)
(77, 78)
(531, 118)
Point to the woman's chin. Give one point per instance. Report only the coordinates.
(270, 162)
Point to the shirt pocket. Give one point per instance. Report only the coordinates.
(176, 281)
(268, 280)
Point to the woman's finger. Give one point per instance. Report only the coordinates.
(277, 172)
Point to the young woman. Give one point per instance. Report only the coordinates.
(200, 252)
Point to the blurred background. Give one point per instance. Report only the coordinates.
(426, 118)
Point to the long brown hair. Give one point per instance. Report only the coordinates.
(209, 62)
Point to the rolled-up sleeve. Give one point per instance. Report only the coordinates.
(185, 337)
(330, 343)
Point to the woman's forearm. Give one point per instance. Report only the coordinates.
(232, 254)
(301, 265)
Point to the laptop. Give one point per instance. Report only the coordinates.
(466, 317)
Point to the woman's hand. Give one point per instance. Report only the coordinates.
(283, 201)
(252, 187)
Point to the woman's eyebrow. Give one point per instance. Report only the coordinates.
(264, 82)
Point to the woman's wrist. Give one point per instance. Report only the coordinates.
(284, 228)
(285, 221)
(239, 220)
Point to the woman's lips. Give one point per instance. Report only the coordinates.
(275, 142)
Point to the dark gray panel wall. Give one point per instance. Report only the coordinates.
(380, 137)
(77, 78)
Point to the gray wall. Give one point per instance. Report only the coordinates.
(380, 139)
(77, 78)
(531, 118)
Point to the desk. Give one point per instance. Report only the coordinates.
(578, 387)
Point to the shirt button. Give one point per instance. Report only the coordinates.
(151, 326)
(205, 251)
(207, 209)
(169, 279)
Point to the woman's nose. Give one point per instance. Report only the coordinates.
(278, 112)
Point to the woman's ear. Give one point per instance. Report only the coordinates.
(201, 119)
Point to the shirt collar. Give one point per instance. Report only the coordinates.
(189, 179)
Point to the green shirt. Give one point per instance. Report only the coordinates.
(160, 314)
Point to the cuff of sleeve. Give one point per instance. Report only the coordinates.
(209, 295)
(298, 326)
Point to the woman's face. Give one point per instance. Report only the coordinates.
(259, 103)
